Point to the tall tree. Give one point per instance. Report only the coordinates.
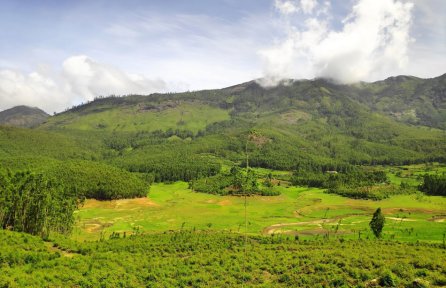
(377, 223)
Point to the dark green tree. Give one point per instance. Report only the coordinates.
(377, 223)
(35, 204)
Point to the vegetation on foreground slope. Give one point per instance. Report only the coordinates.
(203, 259)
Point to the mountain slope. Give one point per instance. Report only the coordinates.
(305, 120)
(168, 137)
(407, 99)
(23, 116)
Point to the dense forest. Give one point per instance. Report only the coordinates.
(35, 204)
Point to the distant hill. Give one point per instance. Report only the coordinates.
(23, 116)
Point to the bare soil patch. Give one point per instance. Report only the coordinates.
(259, 140)
(401, 219)
(55, 249)
(294, 116)
(271, 229)
(120, 204)
(225, 203)
(438, 218)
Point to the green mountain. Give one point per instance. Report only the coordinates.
(399, 119)
(408, 99)
(167, 137)
(23, 116)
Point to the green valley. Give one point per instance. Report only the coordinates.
(276, 186)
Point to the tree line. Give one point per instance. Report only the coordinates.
(434, 185)
(35, 204)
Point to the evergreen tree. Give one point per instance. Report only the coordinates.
(377, 223)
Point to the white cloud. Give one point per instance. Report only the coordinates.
(88, 79)
(286, 6)
(293, 6)
(80, 80)
(308, 6)
(373, 41)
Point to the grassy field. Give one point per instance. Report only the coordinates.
(307, 212)
(412, 174)
(185, 116)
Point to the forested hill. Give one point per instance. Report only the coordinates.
(407, 99)
(23, 116)
(166, 137)
(400, 119)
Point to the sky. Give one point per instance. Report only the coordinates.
(55, 54)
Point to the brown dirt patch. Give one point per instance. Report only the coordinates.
(95, 225)
(438, 218)
(309, 232)
(292, 117)
(407, 210)
(119, 204)
(401, 219)
(225, 203)
(92, 227)
(140, 202)
(54, 249)
(271, 229)
(259, 140)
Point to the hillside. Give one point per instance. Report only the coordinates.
(314, 120)
(191, 135)
(23, 116)
(206, 258)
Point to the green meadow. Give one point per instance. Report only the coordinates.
(307, 212)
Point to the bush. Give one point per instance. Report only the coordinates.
(387, 279)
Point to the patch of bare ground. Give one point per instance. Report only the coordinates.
(120, 204)
(438, 218)
(401, 219)
(95, 225)
(294, 116)
(271, 229)
(55, 249)
(308, 232)
(307, 209)
(408, 210)
(225, 203)
(259, 140)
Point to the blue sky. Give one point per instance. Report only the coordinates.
(54, 54)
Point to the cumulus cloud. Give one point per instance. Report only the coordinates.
(293, 6)
(80, 79)
(286, 6)
(373, 39)
(308, 6)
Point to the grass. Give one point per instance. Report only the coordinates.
(185, 116)
(309, 211)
